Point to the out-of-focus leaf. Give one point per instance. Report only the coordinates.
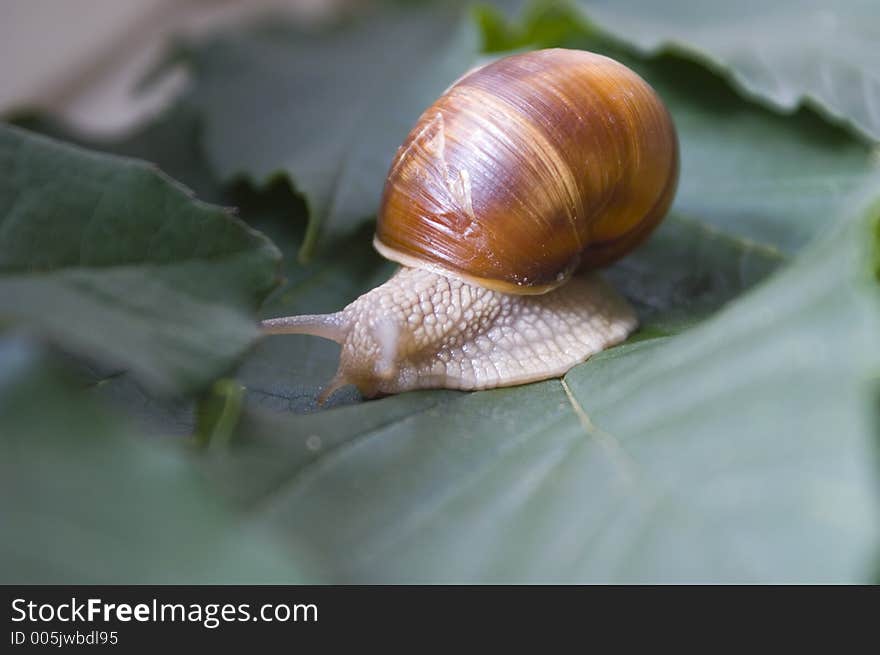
(740, 450)
(171, 141)
(783, 53)
(752, 175)
(326, 109)
(113, 259)
(84, 501)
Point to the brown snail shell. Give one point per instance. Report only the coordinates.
(521, 172)
(529, 167)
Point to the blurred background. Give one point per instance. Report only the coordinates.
(82, 59)
(743, 450)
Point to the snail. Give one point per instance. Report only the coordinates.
(523, 171)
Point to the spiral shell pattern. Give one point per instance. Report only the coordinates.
(529, 167)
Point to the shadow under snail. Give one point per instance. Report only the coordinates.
(523, 171)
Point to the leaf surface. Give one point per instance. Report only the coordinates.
(741, 450)
(113, 259)
(85, 501)
(783, 54)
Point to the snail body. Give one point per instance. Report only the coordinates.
(522, 172)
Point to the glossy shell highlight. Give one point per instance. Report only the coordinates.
(528, 168)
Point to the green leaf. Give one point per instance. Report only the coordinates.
(753, 175)
(741, 450)
(171, 141)
(785, 53)
(85, 501)
(326, 109)
(113, 259)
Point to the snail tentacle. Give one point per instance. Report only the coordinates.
(329, 326)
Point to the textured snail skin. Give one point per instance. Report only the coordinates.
(524, 170)
(424, 330)
(529, 167)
